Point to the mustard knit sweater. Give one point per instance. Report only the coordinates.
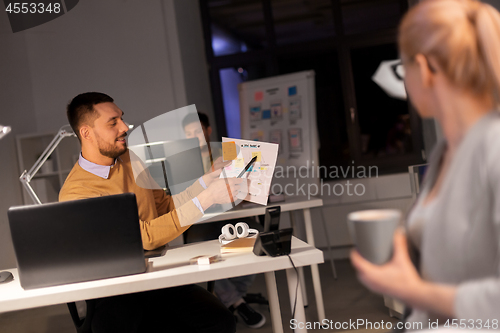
(161, 217)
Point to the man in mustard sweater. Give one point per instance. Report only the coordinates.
(105, 168)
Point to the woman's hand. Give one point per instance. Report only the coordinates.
(215, 171)
(398, 278)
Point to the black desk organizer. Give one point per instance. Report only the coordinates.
(272, 241)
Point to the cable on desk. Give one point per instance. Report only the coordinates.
(296, 288)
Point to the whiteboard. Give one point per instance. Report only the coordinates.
(282, 110)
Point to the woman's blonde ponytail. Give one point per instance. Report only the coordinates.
(463, 36)
(488, 35)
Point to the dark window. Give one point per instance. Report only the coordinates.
(343, 41)
(384, 122)
(237, 26)
(297, 21)
(362, 16)
(230, 78)
(334, 149)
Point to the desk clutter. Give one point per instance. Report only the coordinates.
(172, 269)
(241, 230)
(204, 260)
(61, 243)
(272, 242)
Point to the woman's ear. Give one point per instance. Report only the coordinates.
(426, 70)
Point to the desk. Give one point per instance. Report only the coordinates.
(289, 205)
(173, 269)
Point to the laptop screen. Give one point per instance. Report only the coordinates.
(76, 241)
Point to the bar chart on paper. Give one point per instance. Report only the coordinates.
(260, 172)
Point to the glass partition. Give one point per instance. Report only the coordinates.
(170, 152)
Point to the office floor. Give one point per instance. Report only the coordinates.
(345, 299)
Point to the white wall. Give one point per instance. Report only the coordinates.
(16, 110)
(194, 60)
(130, 50)
(116, 47)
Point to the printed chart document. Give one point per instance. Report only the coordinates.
(260, 173)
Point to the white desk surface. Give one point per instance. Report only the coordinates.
(290, 203)
(173, 269)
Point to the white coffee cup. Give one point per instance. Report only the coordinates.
(372, 232)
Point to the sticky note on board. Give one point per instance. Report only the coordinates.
(259, 96)
(229, 151)
(292, 91)
(239, 163)
(258, 154)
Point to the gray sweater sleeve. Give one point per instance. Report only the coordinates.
(480, 299)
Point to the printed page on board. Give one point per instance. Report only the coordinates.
(260, 173)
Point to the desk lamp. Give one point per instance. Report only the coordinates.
(4, 130)
(27, 176)
(390, 77)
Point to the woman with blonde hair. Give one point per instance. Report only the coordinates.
(450, 51)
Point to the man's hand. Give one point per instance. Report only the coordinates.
(219, 164)
(222, 191)
(215, 171)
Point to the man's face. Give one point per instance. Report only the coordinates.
(198, 130)
(110, 130)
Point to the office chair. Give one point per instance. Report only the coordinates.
(82, 325)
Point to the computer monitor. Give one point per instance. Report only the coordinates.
(175, 165)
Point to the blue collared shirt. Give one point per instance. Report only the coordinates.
(103, 172)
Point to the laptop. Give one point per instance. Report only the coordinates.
(76, 241)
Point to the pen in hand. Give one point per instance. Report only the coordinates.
(247, 167)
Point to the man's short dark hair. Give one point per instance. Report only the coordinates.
(81, 109)
(192, 118)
